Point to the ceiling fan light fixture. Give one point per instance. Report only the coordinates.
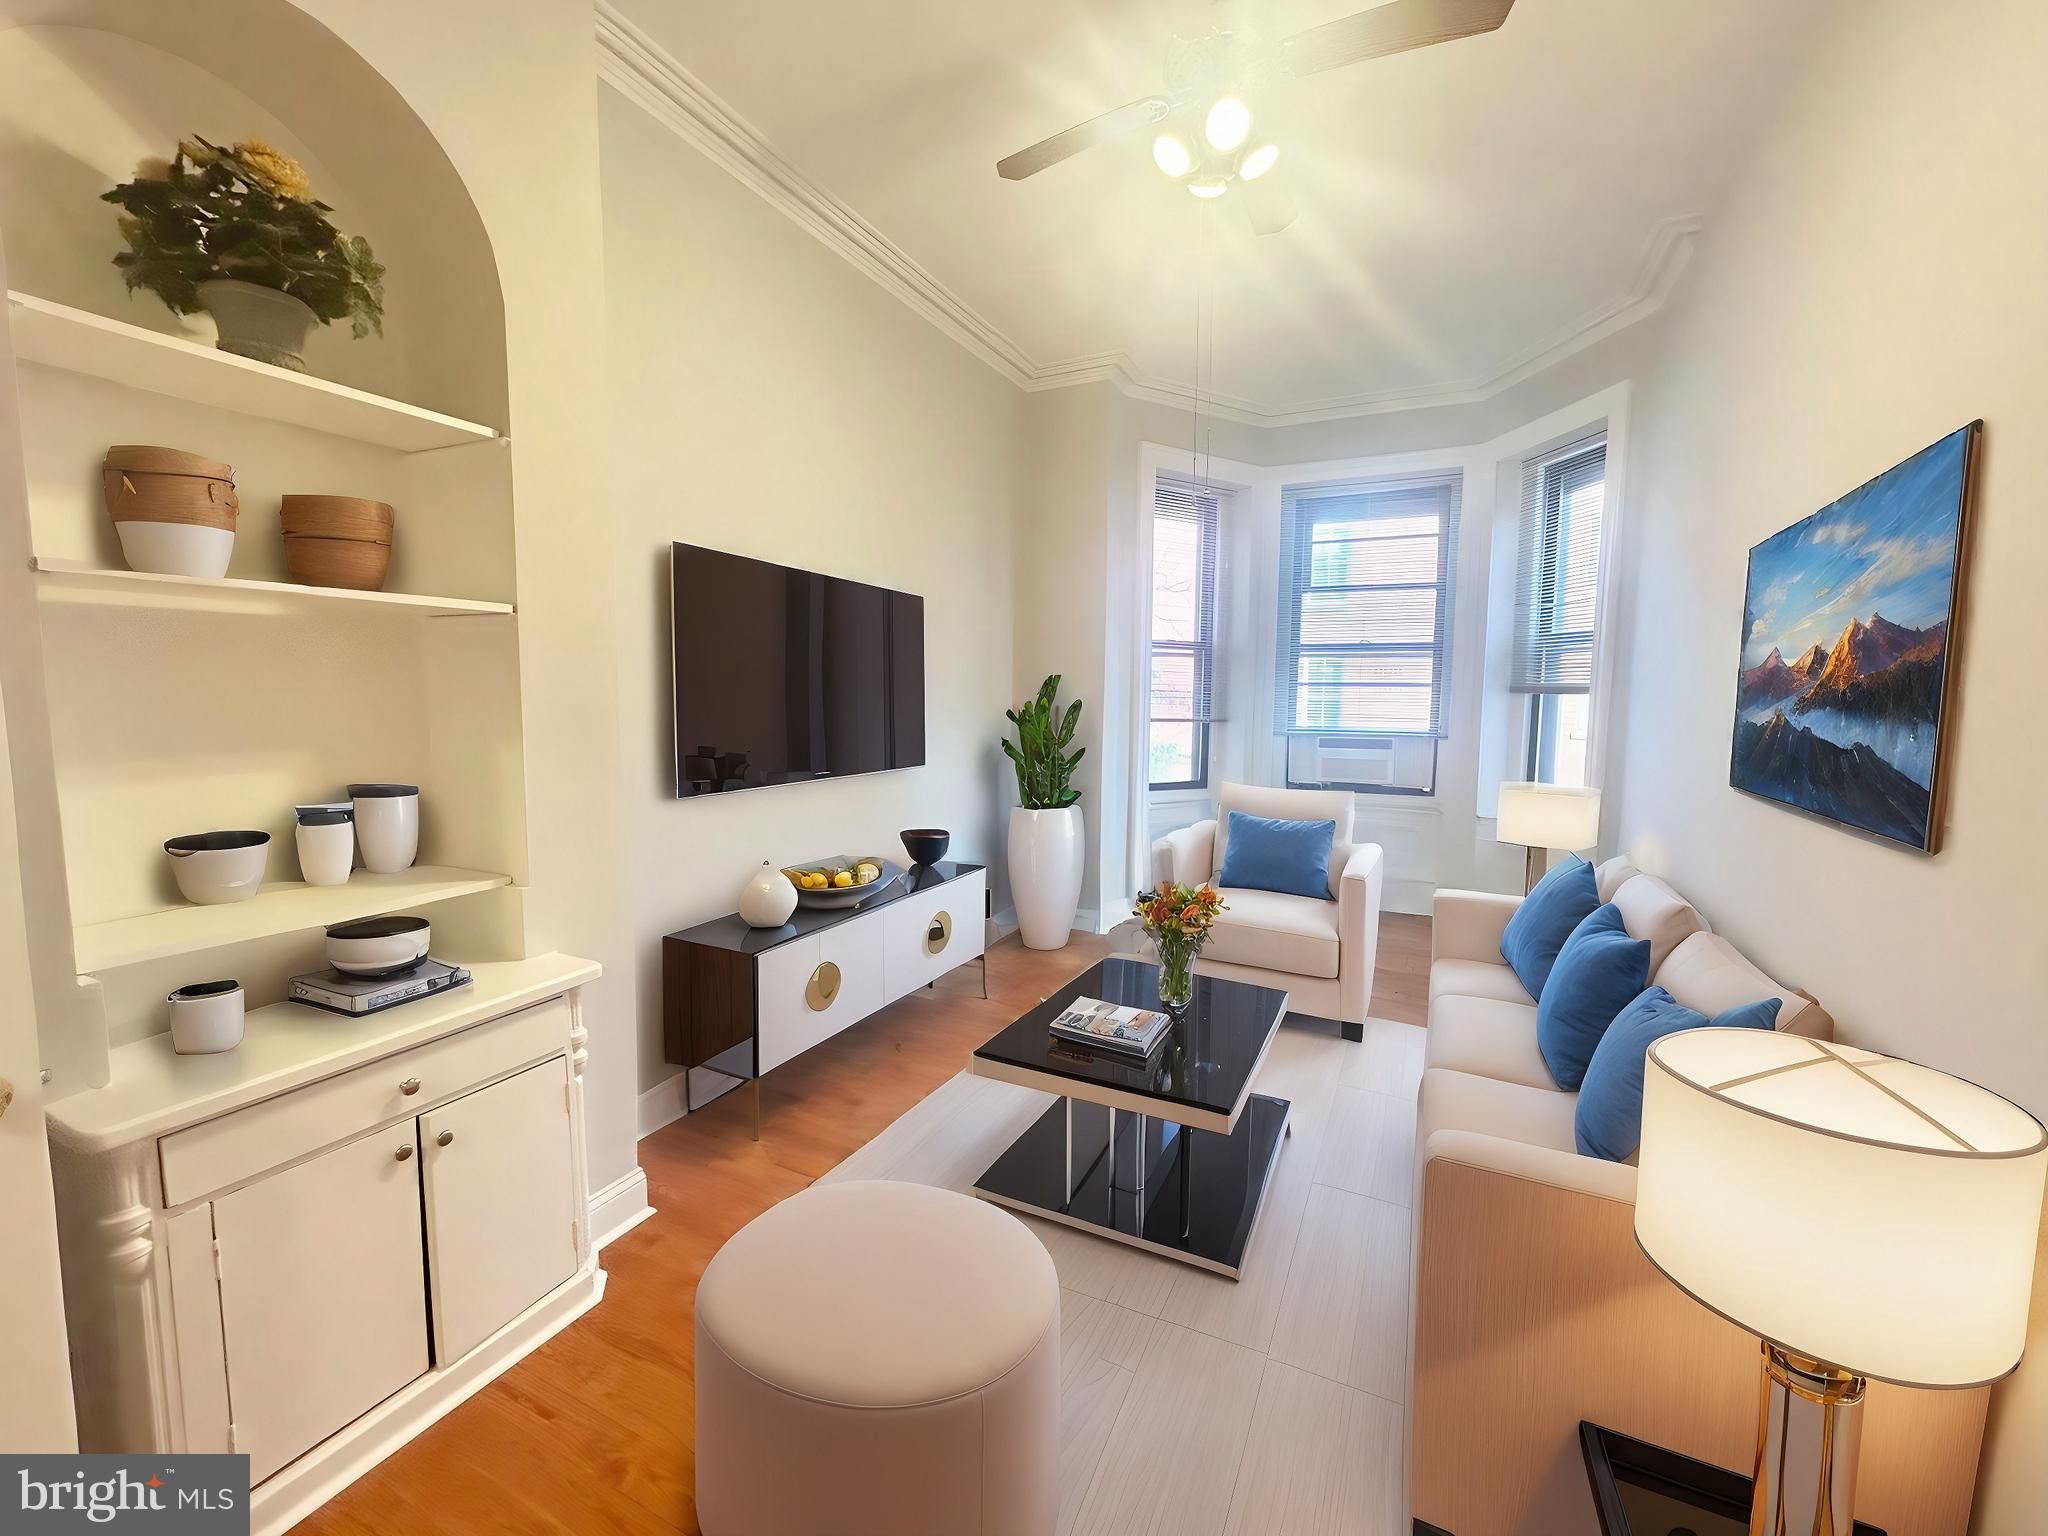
(1257, 162)
(1228, 124)
(1208, 188)
(1172, 155)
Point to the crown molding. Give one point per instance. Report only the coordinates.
(647, 75)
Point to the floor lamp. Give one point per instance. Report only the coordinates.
(1542, 816)
(1864, 1216)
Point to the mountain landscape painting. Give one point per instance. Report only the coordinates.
(1845, 650)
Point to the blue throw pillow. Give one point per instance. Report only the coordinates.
(1609, 1119)
(1545, 919)
(1599, 972)
(1291, 857)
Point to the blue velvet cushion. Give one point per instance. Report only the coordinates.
(1545, 919)
(1262, 853)
(1598, 973)
(1609, 1119)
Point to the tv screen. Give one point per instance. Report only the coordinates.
(783, 675)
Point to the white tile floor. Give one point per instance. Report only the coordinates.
(1198, 1406)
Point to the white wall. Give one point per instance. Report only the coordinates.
(768, 399)
(1874, 284)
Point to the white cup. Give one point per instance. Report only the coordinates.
(387, 825)
(206, 1017)
(326, 836)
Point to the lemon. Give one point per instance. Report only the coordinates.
(843, 879)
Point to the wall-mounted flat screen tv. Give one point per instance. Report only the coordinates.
(784, 675)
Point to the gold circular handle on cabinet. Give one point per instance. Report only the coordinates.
(940, 934)
(444, 1138)
(403, 1152)
(823, 987)
(409, 1087)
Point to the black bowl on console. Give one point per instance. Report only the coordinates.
(926, 845)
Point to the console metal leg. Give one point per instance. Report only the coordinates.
(757, 1109)
(984, 975)
(1070, 1156)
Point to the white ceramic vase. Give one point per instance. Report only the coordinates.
(263, 323)
(1046, 855)
(767, 899)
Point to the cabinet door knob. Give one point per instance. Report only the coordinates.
(403, 1152)
(409, 1087)
(444, 1138)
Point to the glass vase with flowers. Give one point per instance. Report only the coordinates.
(1178, 919)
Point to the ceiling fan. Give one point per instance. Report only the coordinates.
(1211, 76)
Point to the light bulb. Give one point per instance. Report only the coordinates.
(1171, 155)
(1258, 162)
(1229, 121)
(1207, 188)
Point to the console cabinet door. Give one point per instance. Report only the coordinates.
(501, 1204)
(323, 1298)
(930, 933)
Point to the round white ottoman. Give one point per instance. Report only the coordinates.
(878, 1359)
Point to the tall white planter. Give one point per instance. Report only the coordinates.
(1046, 855)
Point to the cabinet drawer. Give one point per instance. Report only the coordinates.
(810, 990)
(241, 1145)
(930, 933)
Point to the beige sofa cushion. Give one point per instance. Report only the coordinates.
(1477, 978)
(1487, 1038)
(1458, 1101)
(1707, 973)
(1651, 910)
(1610, 875)
(1285, 805)
(1297, 934)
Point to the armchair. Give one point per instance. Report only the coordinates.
(1320, 952)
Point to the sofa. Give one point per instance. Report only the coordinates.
(1321, 952)
(1534, 1307)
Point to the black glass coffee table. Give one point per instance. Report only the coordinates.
(1169, 1153)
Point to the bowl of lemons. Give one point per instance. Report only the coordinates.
(842, 880)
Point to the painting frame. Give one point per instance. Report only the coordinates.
(1944, 722)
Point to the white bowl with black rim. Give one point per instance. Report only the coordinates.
(216, 867)
(375, 948)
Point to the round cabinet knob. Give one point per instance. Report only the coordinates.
(444, 1138)
(403, 1152)
(939, 934)
(409, 1087)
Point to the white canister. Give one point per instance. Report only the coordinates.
(387, 825)
(768, 898)
(206, 1017)
(327, 843)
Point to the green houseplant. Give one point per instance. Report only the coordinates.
(1045, 845)
(237, 232)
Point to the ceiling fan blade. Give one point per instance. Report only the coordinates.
(1392, 28)
(1268, 205)
(1097, 130)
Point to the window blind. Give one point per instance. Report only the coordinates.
(1557, 572)
(1367, 574)
(1183, 695)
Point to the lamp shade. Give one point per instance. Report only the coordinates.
(1548, 816)
(1859, 1210)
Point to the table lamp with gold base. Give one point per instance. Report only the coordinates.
(1868, 1218)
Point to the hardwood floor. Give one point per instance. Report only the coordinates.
(594, 1432)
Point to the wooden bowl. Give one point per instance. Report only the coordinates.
(337, 541)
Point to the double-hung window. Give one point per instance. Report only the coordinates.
(1184, 519)
(1363, 660)
(1557, 603)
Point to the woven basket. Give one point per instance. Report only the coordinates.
(144, 484)
(337, 541)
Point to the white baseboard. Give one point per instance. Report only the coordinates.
(618, 1208)
(288, 1496)
(1005, 922)
(1086, 920)
(662, 1104)
(1413, 896)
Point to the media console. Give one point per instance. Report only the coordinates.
(743, 1000)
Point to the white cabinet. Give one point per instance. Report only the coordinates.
(817, 986)
(925, 935)
(500, 1204)
(322, 1294)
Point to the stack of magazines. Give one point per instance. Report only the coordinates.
(1133, 1031)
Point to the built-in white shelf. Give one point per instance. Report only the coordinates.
(79, 341)
(286, 906)
(75, 578)
(152, 1089)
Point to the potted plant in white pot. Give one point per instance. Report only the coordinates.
(238, 233)
(1046, 850)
